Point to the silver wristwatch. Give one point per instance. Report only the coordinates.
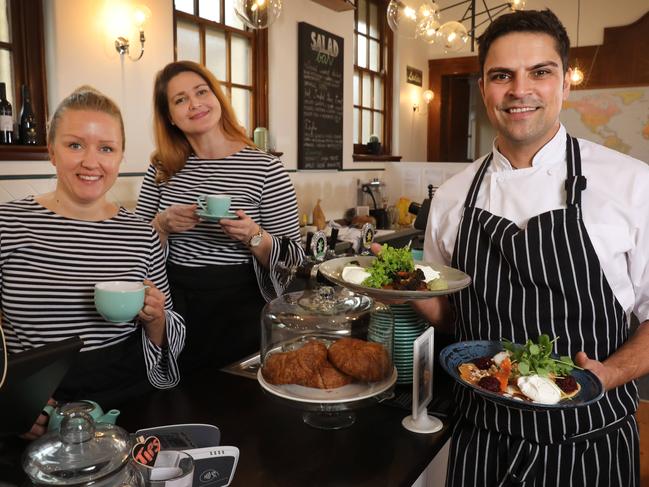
(256, 239)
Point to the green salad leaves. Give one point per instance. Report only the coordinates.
(387, 263)
(536, 358)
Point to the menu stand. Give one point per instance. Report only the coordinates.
(422, 386)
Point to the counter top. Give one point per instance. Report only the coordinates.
(276, 447)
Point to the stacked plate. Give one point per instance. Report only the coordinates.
(408, 325)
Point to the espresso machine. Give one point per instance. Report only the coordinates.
(371, 194)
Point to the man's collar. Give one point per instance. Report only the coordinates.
(551, 153)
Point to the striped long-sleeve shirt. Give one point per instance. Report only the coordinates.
(257, 183)
(49, 265)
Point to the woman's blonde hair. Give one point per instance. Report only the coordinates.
(85, 98)
(172, 147)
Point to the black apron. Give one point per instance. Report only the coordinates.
(222, 306)
(543, 279)
(109, 376)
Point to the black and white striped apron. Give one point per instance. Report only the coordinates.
(542, 279)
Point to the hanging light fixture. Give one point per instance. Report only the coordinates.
(576, 74)
(404, 16)
(258, 14)
(428, 22)
(420, 19)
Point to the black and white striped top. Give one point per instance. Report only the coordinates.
(49, 265)
(257, 183)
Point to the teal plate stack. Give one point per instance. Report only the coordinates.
(408, 325)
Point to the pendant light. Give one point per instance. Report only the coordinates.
(576, 74)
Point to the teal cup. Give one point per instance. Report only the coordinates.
(417, 254)
(119, 301)
(214, 204)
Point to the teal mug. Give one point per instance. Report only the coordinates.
(119, 301)
(214, 204)
(89, 407)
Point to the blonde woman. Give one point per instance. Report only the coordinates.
(56, 246)
(221, 272)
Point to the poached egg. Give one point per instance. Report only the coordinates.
(539, 389)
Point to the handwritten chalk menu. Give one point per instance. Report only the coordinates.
(320, 99)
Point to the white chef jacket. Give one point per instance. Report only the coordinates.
(615, 208)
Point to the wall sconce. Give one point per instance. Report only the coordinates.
(140, 15)
(427, 96)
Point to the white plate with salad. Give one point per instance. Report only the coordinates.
(394, 274)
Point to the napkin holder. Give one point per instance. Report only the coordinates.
(214, 465)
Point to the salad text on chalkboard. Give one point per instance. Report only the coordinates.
(320, 98)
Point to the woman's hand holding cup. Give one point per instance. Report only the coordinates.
(177, 218)
(152, 314)
(240, 229)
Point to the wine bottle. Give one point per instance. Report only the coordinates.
(28, 130)
(6, 117)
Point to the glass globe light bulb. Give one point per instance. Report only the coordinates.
(453, 35)
(257, 14)
(428, 21)
(428, 96)
(404, 16)
(576, 76)
(515, 5)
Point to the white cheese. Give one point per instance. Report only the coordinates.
(539, 389)
(430, 274)
(354, 274)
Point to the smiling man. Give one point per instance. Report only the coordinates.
(554, 232)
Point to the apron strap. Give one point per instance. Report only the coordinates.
(575, 182)
(472, 195)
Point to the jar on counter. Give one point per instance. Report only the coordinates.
(82, 453)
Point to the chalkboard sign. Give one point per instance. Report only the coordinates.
(320, 98)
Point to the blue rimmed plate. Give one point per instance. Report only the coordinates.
(462, 352)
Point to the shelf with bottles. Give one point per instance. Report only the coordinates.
(21, 142)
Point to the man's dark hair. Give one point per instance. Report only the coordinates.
(536, 21)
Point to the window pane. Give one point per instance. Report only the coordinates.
(378, 93)
(362, 51)
(357, 139)
(367, 91)
(210, 9)
(374, 20)
(374, 56)
(362, 21)
(4, 22)
(215, 53)
(367, 122)
(241, 60)
(6, 75)
(185, 5)
(242, 107)
(357, 87)
(187, 44)
(378, 126)
(231, 18)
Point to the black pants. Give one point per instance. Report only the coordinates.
(110, 376)
(222, 308)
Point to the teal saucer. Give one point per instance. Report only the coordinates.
(215, 218)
